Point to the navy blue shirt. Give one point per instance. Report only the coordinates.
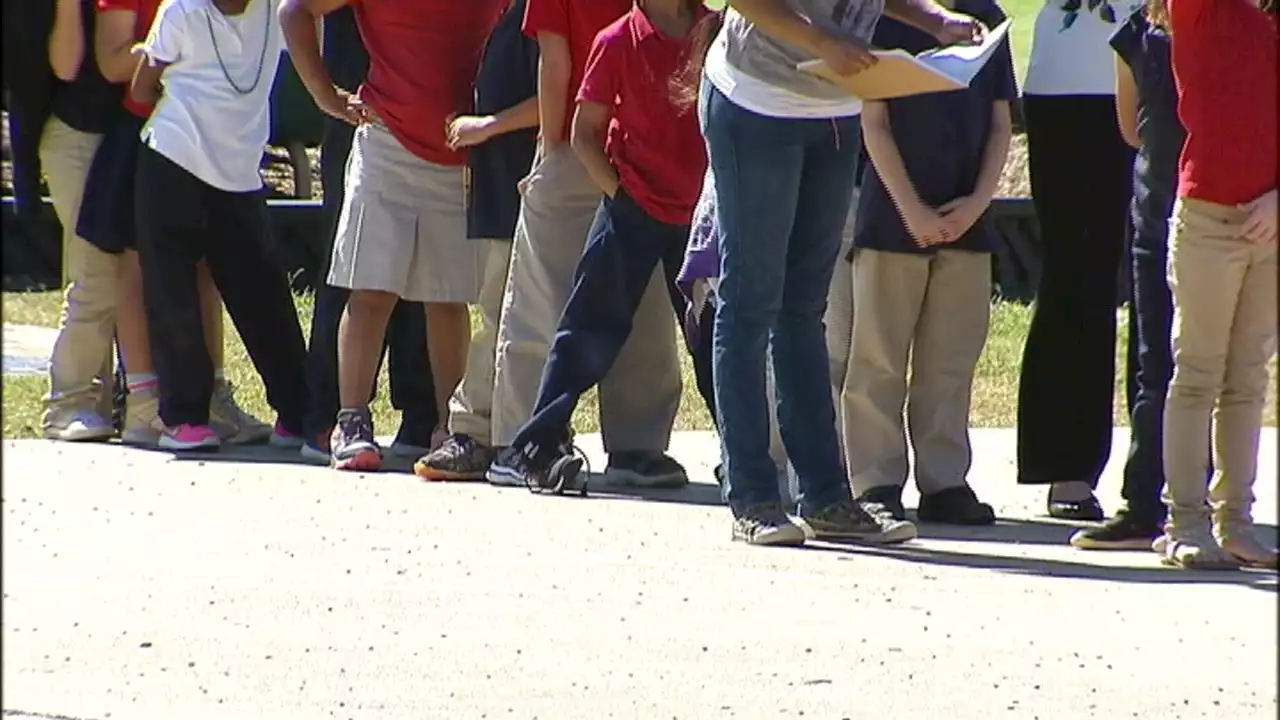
(1145, 49)
(941, 137)
(508, 76)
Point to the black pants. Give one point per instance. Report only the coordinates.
(181, 220)
(1081, 181)
(412, 391)
(624, 246)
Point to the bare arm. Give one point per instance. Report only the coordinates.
(877, 134)
(66, 41)
(554, 69)
(589, 123)
(995, 154)
(145, 88)
(517, 117)
(300, 25)
(113, 45)
(1127, 103)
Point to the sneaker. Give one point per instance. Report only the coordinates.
(282, 438)
(766, 524)
(846, 520)
(76, 426)
(1193, 549)
(352, 446)
(1122, 532)
(142, 425)
(458, 458)
(316, 450)
(233, 425)
(884, 501)
(514, 467)
(187, 437)
(645, 469)
(955, 506)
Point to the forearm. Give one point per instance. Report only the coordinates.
(66, 41)
(777, 20)
(923, 14)
(553, 95)
(588, 145)
(517, 117)
(113, 45)
(145, 87)
(878, 136)
(995, 155)
(300, 27)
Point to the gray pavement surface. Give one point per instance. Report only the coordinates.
(139, 586)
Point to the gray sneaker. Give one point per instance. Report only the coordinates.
(846, 520)
(459, 458)
(766, 524)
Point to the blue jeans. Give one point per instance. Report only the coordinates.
(783, 190)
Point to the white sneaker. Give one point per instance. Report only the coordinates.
(142, 425)
(233, 425)
(77, 426)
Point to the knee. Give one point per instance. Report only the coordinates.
(371, 304)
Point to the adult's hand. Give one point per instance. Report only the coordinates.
(845, 57)
(959, 29)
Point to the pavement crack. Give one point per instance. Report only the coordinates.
(28, 715)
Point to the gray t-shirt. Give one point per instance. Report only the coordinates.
(773, 61)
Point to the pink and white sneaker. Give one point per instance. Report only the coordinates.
(187, 437)
(282, 438)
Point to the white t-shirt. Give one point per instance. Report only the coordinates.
(1074, 56)
(762, 98)
(203, 122)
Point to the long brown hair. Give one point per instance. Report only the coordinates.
(684, 83)
(1158, 14)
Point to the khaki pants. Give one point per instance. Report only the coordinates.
(839, 317)
(471, 406)
(1224, 333)
(925, 316)
(80, 369)
(641, 395)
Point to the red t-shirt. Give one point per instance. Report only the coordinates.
(1224, 65)
(144, 13)
(656, 147)
(423, 57)
(578, 21)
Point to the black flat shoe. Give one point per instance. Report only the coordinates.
(1087, 510)
(955, 506)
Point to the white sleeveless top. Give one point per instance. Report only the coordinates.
(1071, 52)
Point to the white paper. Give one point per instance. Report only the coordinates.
(962, 63)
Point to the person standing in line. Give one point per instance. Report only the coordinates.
(640, 396)
(402, 229)
(1146, 108)
(922, 283)
(106, 221)
(501, 138)
(199, 197)
(412, 392)
(783, 147)
(1081, 183)
(1222, 272)
(80, 107)
(646, 155)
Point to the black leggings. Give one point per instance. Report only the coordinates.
(1081, 181)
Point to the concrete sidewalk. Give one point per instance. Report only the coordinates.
(139, 586)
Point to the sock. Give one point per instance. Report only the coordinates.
(140, 381)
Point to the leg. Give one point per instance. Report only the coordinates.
(1207, 266)
(839, 317)
(1238, 417)
(172, 239)
(412, 379)
(448, 344)
(672, 260)
(948, 342)
(260, 303)
(78, 385)
(556, 211)
(889, 294)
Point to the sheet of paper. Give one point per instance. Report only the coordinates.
(963, 62)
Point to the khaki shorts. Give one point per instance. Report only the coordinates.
(403, 226)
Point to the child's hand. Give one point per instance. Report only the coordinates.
(468, 130)
(926, 225)
(960, 215)
(1260, 226)
(344, 106)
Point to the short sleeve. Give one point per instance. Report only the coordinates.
(602, 80)
(164, 41)
(110, 5)
(549, 16)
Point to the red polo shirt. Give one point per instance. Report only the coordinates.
(423, 57)
(656, 147)
(144, 13)
(578, 21)
(1224, 65)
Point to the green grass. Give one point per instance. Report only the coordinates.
(1023, 13)
(995, 388)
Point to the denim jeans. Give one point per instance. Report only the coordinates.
(783, 190)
